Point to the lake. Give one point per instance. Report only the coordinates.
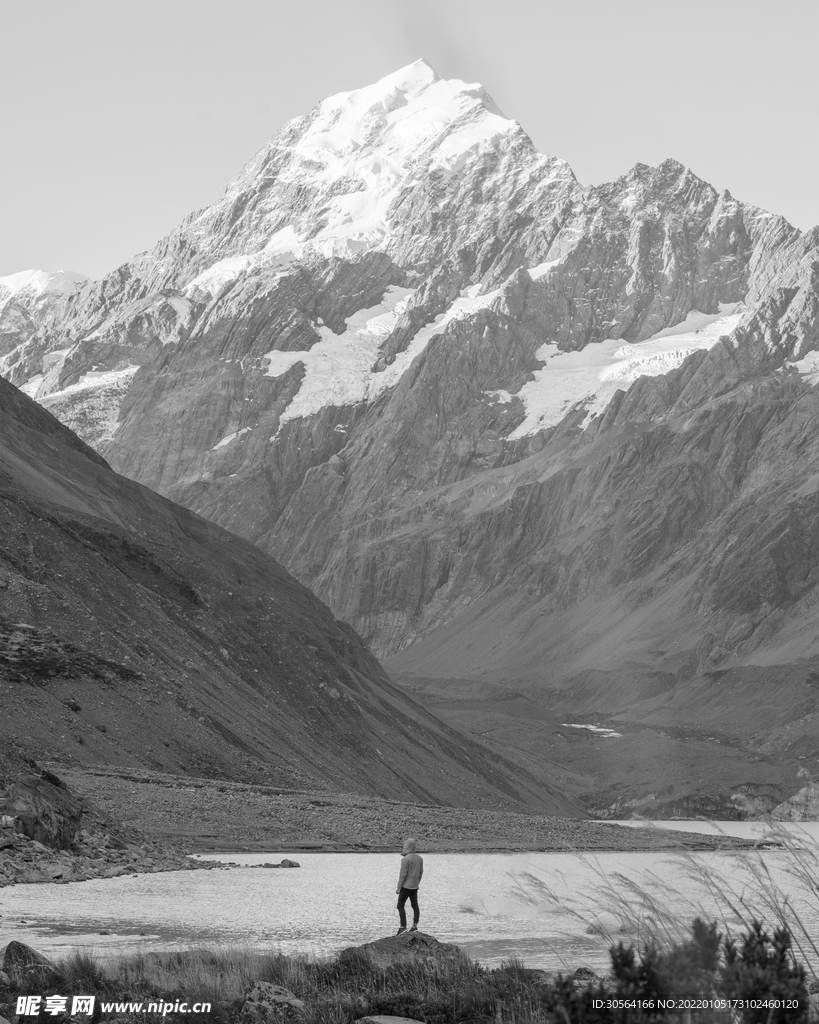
(534, 906)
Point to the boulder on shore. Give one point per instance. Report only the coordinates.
(409, 947)
(44, 809)
(25, 965)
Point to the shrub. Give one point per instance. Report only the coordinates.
(764, 969)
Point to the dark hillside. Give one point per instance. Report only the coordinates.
(135, 633)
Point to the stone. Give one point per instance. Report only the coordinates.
(266, 1002)
(47, 810)
(585, 975)
(285, 863)
(25, 966)
(605, 924)
(407, 948)
(5, 980)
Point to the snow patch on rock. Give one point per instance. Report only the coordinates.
(339, 369)
(599, 729)
(231, 437)
(221, 273)
(808, 366)
(91, 406)
(542, 269)
(590, 377)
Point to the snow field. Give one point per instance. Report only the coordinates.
(338, 369)
(589, 378)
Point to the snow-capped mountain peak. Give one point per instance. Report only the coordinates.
(398, 119)
(348, 161)
(37, 283)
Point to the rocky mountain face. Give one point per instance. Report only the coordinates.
(516, 431)
(135, 633)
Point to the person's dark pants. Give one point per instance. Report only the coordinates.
(412, 896)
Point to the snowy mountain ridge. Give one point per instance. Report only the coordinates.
(347, 164)
(40, 282)
(362, 146)
(335, 185)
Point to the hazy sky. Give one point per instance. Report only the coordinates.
(118, 117)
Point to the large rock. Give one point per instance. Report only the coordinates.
(46, 809)
(409, 947)
(266, 1003)
(25, 966)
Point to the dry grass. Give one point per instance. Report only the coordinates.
(335, 992)
(747, 890)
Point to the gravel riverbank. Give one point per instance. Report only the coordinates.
(206, 815)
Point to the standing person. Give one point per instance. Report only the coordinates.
(412, 870)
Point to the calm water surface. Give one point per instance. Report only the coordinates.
(535, 906)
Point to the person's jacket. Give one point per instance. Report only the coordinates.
(412, 867)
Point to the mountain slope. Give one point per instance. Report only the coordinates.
(133, 632)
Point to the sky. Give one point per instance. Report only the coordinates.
(120, 117)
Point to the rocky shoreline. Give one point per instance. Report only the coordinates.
(49, 833)
(93, 855)
(213, 816)
(135, 823)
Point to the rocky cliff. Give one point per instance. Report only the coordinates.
(508, 427)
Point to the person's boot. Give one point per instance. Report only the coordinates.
(414, 928)
(401, 929)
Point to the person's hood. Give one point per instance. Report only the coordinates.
(409, 847)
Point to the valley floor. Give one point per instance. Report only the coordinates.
(211, 815)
